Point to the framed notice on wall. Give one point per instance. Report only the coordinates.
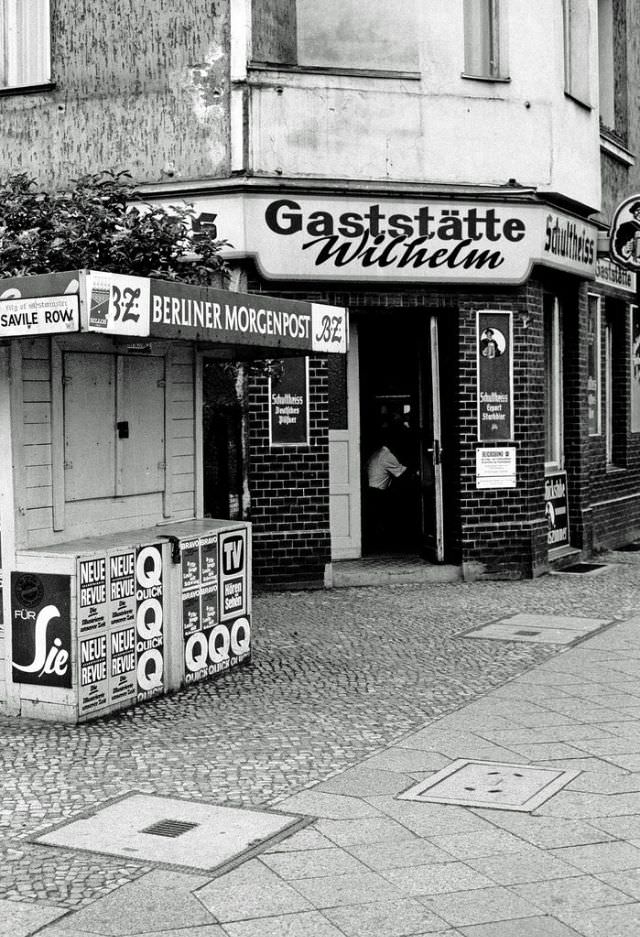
(495, 375)
(289, 404)
(634, 377)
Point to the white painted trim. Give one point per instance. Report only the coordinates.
(240, 32)
(57, 436)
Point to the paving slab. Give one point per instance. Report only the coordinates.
(572, 894)
(347, 889)
(436, 879)
(159, 900)
(601, 857)
(522, 927)
(535, 865)
(386, 919)
(312, 863)
(18, 919)
(480, 906)
(364, 782)
(405, 854)
(302, 924)
(250, 891)
(620, 921)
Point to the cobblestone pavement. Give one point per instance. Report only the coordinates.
(336, 676)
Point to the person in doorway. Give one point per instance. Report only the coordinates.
(383, 469)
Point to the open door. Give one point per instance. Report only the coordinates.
(431, 449)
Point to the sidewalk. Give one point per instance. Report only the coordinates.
(369, 864)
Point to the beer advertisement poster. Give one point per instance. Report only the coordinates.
(556, 509)
(495, 376)
(41, 629)
(289, 404)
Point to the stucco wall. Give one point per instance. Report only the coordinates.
(139, 84)
(439, 127)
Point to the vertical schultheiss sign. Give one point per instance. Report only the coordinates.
(495, 375)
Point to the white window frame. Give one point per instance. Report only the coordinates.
(606, 94)
(553, 383)
(25, 43)
(598, 359)
(577, 50)
(485, 50)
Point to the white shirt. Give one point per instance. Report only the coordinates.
(382, 467)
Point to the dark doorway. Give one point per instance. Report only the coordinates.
(222, 441)
(408, 399)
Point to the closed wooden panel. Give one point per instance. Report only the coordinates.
(40, 519)
(184, 503)
(35, 369)
(141, 396)
(182, 465)
(37, 455)
(182, 429)
(184, 445)
(37, 475)
(89, 426)
(37, 434)
(184, 483)
(37, 412)
(39, 497)
(36, 391)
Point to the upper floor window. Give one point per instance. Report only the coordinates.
(577, 43)
(371, 35)
(612, 68)
(24, 43)
(484, 39)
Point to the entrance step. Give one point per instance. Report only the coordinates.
(392, 569)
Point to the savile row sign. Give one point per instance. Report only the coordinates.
(300, 237)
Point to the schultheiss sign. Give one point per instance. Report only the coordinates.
(317, 237)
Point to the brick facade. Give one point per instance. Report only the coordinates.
(289, 491)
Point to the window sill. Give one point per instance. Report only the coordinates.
(612, 469)
(492, 79)
(43, 88)
(583, 104)
(331, 70)
(609, 145)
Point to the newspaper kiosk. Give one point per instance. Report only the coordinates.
(116, 589)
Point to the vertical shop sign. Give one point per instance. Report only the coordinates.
(149, 622)
(495, 376)
(634, 312)
(41, 629)
(289, 404)
(122, 617)
(593, 365)
(92, 618)
(556, 509)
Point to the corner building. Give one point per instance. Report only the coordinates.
(446, 170)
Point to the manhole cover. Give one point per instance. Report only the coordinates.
(183, 832)
(171, 828)
(490, 784)
(526, 634)
(583, 568)
(539, 628)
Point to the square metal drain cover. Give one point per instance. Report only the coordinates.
(197, 835)
(490, 784)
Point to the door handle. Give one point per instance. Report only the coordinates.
(436, 452)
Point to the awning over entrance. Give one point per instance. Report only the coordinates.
(139, 307)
